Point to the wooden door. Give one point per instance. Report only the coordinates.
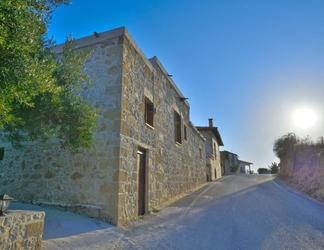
(141, 192)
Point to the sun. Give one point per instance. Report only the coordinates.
(304, 118)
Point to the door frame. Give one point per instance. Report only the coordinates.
(144, 152)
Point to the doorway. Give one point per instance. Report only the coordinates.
(141, 191)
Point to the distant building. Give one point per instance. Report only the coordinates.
(212, 144)
(245, 167)
(229, 162)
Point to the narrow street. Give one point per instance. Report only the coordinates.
(236, 212)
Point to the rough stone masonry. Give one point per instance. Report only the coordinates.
(104, 182)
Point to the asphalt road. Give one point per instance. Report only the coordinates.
(235, 212)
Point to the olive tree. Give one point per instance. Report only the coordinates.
(40, 93)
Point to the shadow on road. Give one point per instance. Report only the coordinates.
(60, 224)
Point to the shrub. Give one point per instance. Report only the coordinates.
(261, 170)
(283, 145)
(234, 169)
(273, 168)
(310, 145)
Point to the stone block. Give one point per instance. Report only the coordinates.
(76, 176)
(35, 176)
(35, 228)
(120, 175)
(108, 188)
(125, 128)
(111, 114)
(22, 230)
(116, 151)
(49, 175)
(158, 158)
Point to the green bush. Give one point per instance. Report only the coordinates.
(274, 168)
(283, 145)
(234, 169)
(260, 170)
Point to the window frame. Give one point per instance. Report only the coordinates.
(177, 128)
(185, 136)
(149, 113)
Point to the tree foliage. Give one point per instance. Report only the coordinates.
(39, 91)
(261, 170)
(273, 168)
(283, 145)
(234, 169)
(250, 171)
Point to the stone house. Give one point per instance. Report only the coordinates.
(212, 144)
(228, 161)
(147, 152)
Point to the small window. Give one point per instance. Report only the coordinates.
(149, 112)
(200, 153)
(185, 132)
(177, 127)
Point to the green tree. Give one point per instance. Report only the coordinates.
(273, 168)
(260, 170)
(234, 169)
(40, 93)
(283, 145)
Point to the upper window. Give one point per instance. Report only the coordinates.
(149, 112)
(177, 127)
(185, 132)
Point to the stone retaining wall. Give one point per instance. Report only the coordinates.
(21, 230)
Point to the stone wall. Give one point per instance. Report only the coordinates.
(86, 181)
(103, 182)
(21, 230)
(172, 168)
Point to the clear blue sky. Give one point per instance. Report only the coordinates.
(247, 64)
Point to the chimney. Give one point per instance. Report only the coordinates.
(211, 122)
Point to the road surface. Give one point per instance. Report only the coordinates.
(235, 212)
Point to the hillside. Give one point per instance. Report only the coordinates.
(307, 174)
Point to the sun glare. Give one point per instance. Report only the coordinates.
(304, 118)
